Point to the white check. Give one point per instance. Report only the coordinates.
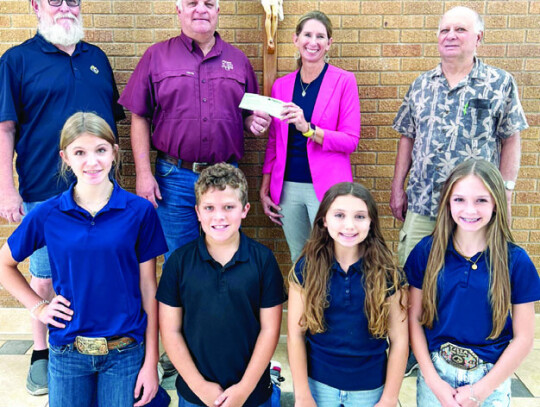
(252, 101)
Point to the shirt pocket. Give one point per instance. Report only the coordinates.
(175, 91)
(227, 89)
(479, 116)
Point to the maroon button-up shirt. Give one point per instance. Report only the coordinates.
(192, 99)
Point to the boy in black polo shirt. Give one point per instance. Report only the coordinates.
(220, 302)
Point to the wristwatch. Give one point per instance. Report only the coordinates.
(311, 131)
(509, 185)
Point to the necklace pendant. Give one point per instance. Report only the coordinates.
(303, 93)
(474, 266)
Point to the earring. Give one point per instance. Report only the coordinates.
(297, 55)
(326, 58)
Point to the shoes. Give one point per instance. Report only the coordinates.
(412, 364)
(167, 365)
(36, 381)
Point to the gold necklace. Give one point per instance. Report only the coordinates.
(302, 86)
(87, 205)
(474, 266)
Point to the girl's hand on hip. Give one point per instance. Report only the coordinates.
(58, 308)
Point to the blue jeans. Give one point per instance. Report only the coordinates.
(327, 396)
(299, 205)
(176, 210)
(75, 379)
(458, 377)
(182, 402)
(40, 267)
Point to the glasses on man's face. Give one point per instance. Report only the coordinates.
(70, 3)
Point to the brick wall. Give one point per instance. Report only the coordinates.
(385, 43)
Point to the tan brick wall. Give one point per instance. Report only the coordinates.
(386, 43)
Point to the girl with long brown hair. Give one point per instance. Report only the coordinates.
(472, 295)
(346, 298)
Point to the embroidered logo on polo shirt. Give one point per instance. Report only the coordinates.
(94, 69)
(226, 65)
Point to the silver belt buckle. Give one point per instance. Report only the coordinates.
(195, 167)
(459, 357)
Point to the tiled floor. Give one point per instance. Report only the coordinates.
(15, 349)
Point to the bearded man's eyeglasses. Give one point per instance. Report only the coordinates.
(70, 3)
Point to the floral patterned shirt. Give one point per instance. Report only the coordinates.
(450, 126)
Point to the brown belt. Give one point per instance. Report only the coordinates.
(100, 346)
(196, 167)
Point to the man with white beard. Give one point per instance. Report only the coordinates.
(43, 81)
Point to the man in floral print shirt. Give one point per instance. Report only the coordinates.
(461, 109)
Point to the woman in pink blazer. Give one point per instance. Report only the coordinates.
(309, 149)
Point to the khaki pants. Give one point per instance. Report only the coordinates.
(414, 229)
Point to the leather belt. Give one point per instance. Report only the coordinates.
(100, 346)
(196, 167)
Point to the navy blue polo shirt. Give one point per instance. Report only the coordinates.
(345, 356)
(40, 87)
(220, 310)
(297, 169)
(464, 310)
(94, 260)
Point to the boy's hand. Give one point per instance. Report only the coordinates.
(234, 396)
(209, 393)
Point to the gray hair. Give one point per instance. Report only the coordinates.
(179, 4)
(478, 21)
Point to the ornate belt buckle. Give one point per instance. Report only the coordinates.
(198, 167)
(91, 346)
(459, 357)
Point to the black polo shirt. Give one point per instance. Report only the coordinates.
(220, 309)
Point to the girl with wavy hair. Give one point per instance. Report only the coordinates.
(472, 294)
(346, 298)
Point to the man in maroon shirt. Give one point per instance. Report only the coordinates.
(184, 96)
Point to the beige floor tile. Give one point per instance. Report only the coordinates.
(525, 402)
(407, 395)
(529, 373)
(13, 381)
(174, 398)
(15, 321)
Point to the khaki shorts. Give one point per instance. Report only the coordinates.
(414, 229)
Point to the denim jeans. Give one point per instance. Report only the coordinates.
(40, 267)
(458, 377)
(327, 396)
(299, 205)
(176, 210)
(75, 379)
(182, 402)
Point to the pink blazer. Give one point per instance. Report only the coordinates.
(337, 112)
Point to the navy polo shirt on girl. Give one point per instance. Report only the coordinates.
(220, 310)
(345, 356)
(464, 310)
(94, 260)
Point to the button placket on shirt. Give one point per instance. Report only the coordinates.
(205, 106)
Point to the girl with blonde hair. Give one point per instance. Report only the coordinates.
(103, 242)
(471, 316)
